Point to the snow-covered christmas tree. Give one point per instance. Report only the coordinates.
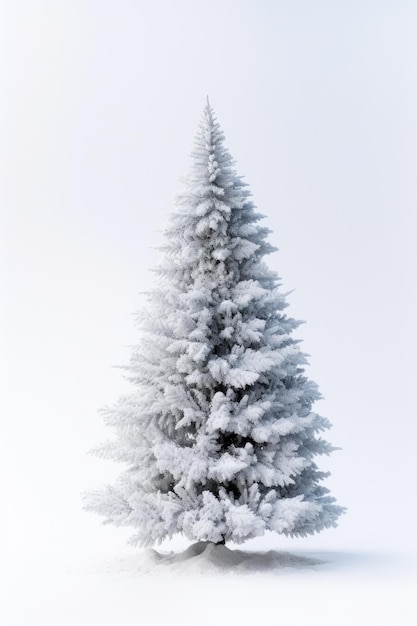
(218, 434)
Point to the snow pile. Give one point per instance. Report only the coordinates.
(206, 557)
(244, 588)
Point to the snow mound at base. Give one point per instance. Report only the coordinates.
(206, 557)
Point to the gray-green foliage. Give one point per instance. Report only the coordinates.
(218, 435)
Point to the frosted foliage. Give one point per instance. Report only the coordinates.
(218, 436)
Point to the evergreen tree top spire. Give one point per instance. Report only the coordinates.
(210, 126)
(209, 133)
(212, 171)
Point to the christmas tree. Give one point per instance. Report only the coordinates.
(218, 434)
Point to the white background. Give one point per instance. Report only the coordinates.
(100, 101)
